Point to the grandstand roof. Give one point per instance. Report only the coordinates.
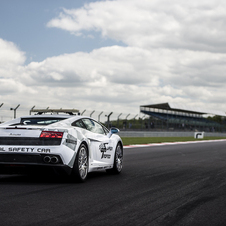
(185, 108)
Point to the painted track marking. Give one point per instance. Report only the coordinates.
(170, 143)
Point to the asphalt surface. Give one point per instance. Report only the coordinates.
(161, 185)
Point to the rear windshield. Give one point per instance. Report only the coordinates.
(39, 121)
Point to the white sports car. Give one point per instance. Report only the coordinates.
(75, 145)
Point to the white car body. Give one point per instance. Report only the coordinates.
(22, 146)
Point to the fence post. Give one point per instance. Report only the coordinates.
(118, 118)
(14, 109)
(32, 109)
(108, 121)
(91, 113)
(99, 116)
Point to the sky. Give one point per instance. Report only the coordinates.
(111, 56)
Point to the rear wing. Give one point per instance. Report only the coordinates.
(55, 111)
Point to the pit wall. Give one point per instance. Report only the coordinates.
(166, 134)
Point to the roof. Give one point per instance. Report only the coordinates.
(185, 108)
(67, 119)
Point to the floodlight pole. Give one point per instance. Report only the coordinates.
(99, 116)
(32, 109)
(14, 109)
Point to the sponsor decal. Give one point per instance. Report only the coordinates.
(103, 149)
(15, 134)
(25, 150)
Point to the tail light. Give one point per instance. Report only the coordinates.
(51, 134)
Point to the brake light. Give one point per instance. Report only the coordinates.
(51, 134)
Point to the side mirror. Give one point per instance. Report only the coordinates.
(113, 130)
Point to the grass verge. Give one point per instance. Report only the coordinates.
(149, 140)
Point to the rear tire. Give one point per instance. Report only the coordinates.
(118, 160)
(80, 168)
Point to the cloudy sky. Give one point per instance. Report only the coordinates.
(111, 55)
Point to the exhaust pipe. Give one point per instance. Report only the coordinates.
(51, 159)
(47, 159)
(54, 160)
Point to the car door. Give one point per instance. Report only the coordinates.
(100, 144)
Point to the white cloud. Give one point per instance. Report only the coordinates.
(10, 55)
(125, 75)
(175, 53)
(11, 67)
(196, 25)
(11, 60)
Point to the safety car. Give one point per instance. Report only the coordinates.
(67, 144)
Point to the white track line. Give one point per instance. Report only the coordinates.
(171, 143)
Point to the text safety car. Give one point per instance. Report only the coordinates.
(75, 145)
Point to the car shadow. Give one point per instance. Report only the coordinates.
(33, 179)
(49, 178)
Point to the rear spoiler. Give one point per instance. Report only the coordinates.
(55, 111)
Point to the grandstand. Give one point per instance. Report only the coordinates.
(181, 117)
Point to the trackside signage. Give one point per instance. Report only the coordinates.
(199, 135)
(25, 150)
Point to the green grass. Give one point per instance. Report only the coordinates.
(149, 140)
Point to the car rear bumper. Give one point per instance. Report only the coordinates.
(24, 163)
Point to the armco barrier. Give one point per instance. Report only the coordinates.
(165, 134)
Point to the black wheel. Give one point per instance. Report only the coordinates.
(80, 169)
(118, 160)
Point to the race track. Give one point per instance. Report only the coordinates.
(182, 184)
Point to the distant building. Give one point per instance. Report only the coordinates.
(178, 116)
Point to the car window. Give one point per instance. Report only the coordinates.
(93, 126)
(79, 123)
(39, 121)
